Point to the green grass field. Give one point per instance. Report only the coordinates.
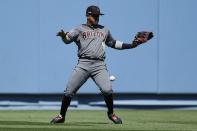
(80, 120)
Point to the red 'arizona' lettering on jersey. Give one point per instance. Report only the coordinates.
(92, 34)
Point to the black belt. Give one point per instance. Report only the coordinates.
(91, 58)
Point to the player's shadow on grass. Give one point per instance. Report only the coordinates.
(87, 123)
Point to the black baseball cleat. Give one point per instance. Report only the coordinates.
(115, 118)
(58, 119)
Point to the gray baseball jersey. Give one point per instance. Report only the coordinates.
(91, 41)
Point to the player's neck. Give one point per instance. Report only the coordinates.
(91, 25)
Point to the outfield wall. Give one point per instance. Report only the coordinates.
(96, 102)
(34, 60)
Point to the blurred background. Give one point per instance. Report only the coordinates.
(35, 64)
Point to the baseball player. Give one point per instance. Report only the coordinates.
(91, 39)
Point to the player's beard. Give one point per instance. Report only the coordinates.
(96, 20)
(93, 20)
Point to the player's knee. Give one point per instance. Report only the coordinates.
(70, 90)
(107, 92)
(69, 93)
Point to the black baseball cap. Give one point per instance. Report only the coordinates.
(93, 10)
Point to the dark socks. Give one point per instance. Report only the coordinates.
(65, 103)
(109, 103)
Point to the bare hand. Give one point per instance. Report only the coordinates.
(61, 34)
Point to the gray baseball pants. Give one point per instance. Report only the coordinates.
(85, 69)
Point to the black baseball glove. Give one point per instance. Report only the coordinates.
(142, 37)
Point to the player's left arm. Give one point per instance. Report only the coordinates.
(140, 38)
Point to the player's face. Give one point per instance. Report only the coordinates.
(93, 19)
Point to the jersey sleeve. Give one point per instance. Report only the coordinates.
(72, 36)
(111, 42)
